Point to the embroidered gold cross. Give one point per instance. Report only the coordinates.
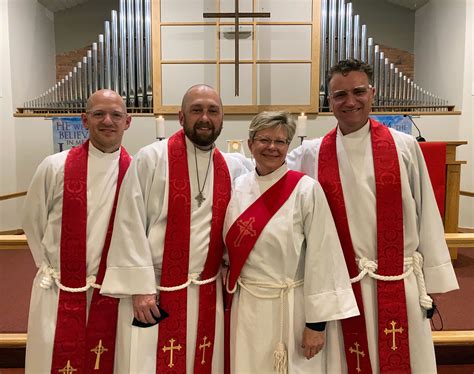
(203, 347)
(98, 350)
(245, 228)
(358, 353)
(171, 348)
(68, 369)
(393, 331)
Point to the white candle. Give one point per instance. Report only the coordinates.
(301, 125)
(160, 127)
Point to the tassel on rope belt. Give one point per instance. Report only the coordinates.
(280, 355)
(413, 264)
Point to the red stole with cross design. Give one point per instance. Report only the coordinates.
(78, 347)
(171, 349)
(243, 234)
(246, 229)
(394, 354)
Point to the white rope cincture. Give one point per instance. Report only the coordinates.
(50, 275)
(192, 279)
(415, 266)
(280, 355)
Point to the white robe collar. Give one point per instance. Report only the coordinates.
(273, 176)
(97, 153)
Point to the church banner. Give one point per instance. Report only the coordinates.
(398, 122)
(68, 132)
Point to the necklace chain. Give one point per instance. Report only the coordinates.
(200, 197)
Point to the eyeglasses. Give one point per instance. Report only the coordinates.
(279, 143)
(115, 116)
(359, 92)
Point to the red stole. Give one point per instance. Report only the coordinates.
(171, 350)
(243, 234)
(434, 154)
(74, 343)
(394, 354)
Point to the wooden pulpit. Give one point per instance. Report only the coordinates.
(453, 183)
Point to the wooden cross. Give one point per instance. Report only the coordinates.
(236, 15)
(203, 347)
(98, 350)
(68, 369)
(358, 353)
(393, 331)
(245, 229)
(171, 348)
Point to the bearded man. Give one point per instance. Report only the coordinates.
(167, 247)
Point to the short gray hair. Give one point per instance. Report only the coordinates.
(267, 120)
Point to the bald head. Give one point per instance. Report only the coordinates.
(200, 90)
(106, 119)
(105, 95)
(201, 115)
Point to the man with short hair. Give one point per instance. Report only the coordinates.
(167, 247)
(380, 195)
(68, 220)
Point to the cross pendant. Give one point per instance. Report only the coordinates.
(200, 198)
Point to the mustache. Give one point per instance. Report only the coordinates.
(204, 125)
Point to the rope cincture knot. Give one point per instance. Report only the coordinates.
(415, 266)
(50, 275)
(280, 354)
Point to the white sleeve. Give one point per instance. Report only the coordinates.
(327, 288)
(238, 164)
(36, 208)
(130, 268)
(304, 157)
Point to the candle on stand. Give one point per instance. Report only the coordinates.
(301, 126)
(160, 127)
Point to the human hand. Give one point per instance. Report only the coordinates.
(144, 306)
(313, 342)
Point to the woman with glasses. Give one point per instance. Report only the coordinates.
(287, 271)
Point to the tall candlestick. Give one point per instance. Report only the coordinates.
(160, 127)
(301, 126)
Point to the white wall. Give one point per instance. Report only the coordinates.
(27, 69)
(32, 52)
(444, 65)
(467, 122)
(7, 130)
(80, 26)
(440, 31)
(389, 24)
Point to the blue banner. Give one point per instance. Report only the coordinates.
(68, 132)
(398, 122)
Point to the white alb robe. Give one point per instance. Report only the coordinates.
(299, 242)
(136, 251)
(422, 225)
(42, 217)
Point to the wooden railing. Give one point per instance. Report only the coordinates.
(12, 195)
(440, 338)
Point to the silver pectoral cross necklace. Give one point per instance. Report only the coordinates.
(200, 197)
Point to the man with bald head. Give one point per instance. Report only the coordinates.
(167, 246)
(68, 220)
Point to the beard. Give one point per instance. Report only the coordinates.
(202, 140)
